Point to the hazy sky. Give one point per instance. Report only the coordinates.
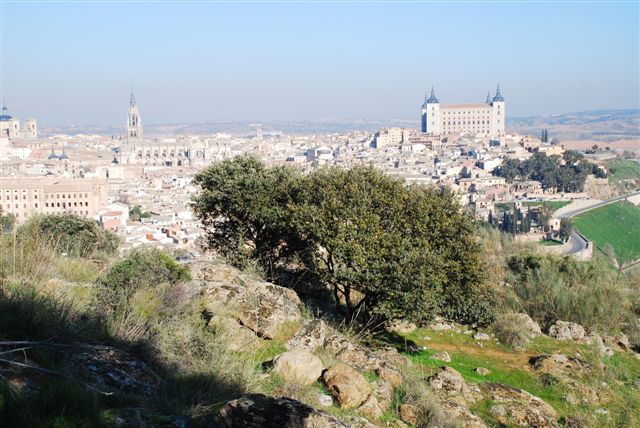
(70, 62)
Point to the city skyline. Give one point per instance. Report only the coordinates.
(207, 62)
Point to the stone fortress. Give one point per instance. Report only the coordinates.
(484, 119)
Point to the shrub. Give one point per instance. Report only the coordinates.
(511, 330)
(71, 234)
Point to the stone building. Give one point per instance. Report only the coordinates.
(24, 197)
(10, 127)
(485, 119)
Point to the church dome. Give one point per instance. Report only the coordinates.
(432, 99)
(498, 96)
(52, 155)
(5, 117)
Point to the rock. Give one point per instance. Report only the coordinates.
(260, 411)
(300, 367)
(113, 369)
(352, 354)
(449, 383)
(324, 400)
(383, 391)
(481, 336)
(558, 364)
(392, 376)
(564, 330)
(409, 413)
(520, 408)
(346, 385)
(440, 326)
(482, 371)
(236, 336)
(442, 356)
(533, 328)
(358, 422)
(267, 309)
(370, 408)
(621, 342)
(310, 336)
(461, 415)
(401, 326)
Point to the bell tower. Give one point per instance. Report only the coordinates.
(134, 124)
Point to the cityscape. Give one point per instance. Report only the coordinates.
(323, 214)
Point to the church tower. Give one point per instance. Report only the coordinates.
(134, 124)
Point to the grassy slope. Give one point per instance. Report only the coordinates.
(617, 224)
(512, 368)
(622, 170)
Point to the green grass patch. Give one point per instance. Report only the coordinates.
(617, 224)
(623, 170)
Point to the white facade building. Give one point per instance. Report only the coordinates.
(486, 119)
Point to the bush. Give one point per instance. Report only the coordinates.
(71, 234)
(551, 288)
(511, 330)
(139, 290)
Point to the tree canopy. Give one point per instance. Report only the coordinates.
(387, 250)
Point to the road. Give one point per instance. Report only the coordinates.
(574, 213)
(578, 242)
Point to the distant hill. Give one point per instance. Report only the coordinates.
(596, 125)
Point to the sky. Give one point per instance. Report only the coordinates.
(75, 62)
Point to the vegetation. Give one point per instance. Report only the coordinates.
(71, 234)
(7, 222)
(550, 171)
(136, 213)
(551, 288)
(615, 224)
(387, 250)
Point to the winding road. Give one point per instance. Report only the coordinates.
(578, 242)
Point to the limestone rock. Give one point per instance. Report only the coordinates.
(482, 371)
(113, 369)
(260, 411)
(449, 383)
(461, 415)
(532, 327)
(346, 385)
(401, 326)
(597, 342)
(621, 342)
(520, 408)
(442, 356)
(383, 391)
(352, 354)
(371, 408)
(564, 330)
(392, 376)
(310, 336)
(263, 307)
(558, 364)
(324, 400)
(481, 336)
(408, 413)
(300, 367)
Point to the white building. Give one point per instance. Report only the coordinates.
(486, 119)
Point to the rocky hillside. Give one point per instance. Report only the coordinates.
(279, 366)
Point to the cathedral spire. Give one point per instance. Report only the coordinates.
(133, 98)
(498, 96)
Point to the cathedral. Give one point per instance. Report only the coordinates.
(156, 152)
(482, 119)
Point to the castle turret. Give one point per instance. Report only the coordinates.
(431, 114)
(498, 107)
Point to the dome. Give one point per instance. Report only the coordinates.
(52, 155)
(63, 156)
(5, 117)
(498, 96)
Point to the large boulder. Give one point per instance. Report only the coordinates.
(310, 336)
(516, 407)
(533, 328)
(267, 309)
(409, 413)
(260, 411)
(299, 367)
(401, 327)
(447, 382)
(113, 369)
(371, 408)
(564, 330)
(558, 364)
(352, 354)
(346, 385)
(461, 415)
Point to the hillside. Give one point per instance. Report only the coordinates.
(615, 224)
